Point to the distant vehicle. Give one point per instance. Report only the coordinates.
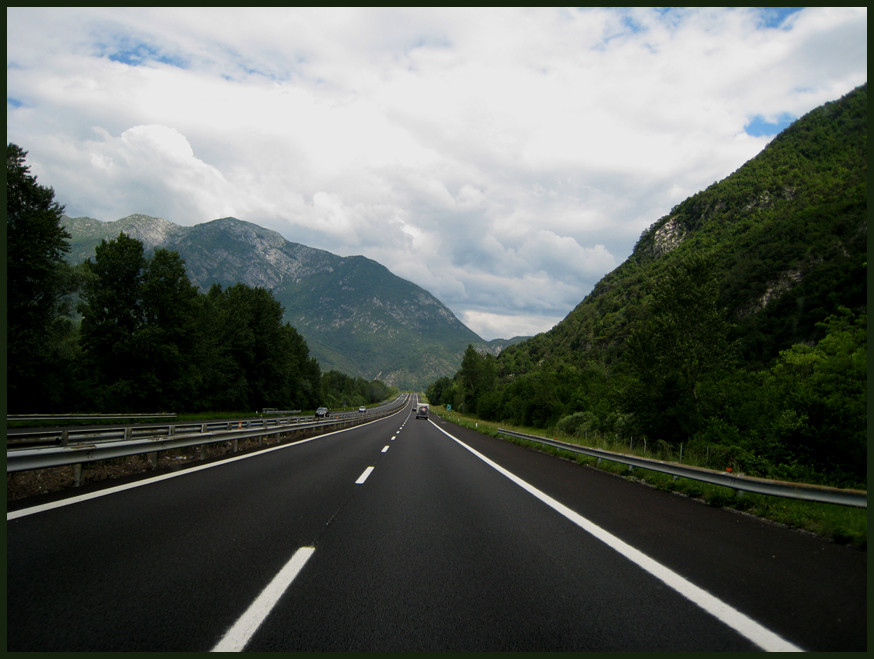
(422, 412)
(362, 409)
(322, 412)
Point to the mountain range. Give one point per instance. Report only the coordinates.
(355, 315)
(736, 331)
(733, 289)
(786, 233)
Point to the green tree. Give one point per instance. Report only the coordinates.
(468, 379)
(220, 344)
(476, 380)
(38, 285)
(304, 375)
(341, 390)
(682, 342)
(818, 401)
(438, 392)
(138, 333)
(531, 400)
(113, 314)
(249, 322)
(249, 358)
(165, 341)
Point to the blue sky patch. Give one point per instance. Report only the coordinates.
(760, 127)
(138, 53)
(773, 17)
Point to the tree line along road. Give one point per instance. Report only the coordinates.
(406, 534)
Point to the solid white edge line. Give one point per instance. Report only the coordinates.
(154, 479)
(238, 635)
(364, 475)
(741, 623)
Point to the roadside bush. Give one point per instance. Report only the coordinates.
(489, 405)
(576, 424)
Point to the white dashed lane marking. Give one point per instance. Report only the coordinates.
(236, 637)
(364, 475)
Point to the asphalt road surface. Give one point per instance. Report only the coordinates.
(405, 535)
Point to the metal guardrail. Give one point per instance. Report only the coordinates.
(77, 417)
(43, 437)
(803, 491)
(38, 437)
(76, 453)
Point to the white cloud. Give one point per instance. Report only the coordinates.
(504, 159)
(148, 169)
(508, 326)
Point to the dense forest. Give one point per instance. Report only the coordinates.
(128, 332)
(739, 322)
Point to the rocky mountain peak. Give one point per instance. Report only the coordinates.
(356, 316)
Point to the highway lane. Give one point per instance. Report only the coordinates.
(806, 588)
(441, 552)
(435, 549)
(171, 564)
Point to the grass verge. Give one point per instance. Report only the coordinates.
(840, 524)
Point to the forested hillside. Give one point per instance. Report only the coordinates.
(738, 321)
(356, 316)
(143, 338)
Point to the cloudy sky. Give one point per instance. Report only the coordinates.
(503, 159)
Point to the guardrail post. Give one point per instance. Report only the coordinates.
(153, 459)
(234, 450)
(127, 432)
(65, 437)
(77, 474)
(172, 431)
